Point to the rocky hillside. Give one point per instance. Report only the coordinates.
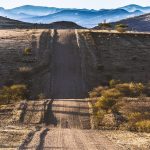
(72, 60)
(140, 23)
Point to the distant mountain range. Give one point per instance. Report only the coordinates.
(83, 17)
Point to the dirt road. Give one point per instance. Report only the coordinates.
(70, 113)
(67, 79)
(70, 139)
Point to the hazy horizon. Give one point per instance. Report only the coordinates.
(89, 4)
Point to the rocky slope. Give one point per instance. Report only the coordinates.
(139, 23)
(72, 60)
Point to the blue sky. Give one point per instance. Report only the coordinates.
(90, 4)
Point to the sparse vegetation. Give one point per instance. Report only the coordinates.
(13, 93)
(143, 126)
(109, 101)
(27, 51)
(105, 26)
(105, 103)
(121, 27)
(96, 92)
(131, 89)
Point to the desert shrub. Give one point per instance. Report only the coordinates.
(121, 27)
(111, 93)
(136, 89)
(143, 126)
(14, 93)
(118, 90)
(131, 89)
(98, 117)
(133, 117)
(139, 121)
(105, 26)
(96, 92)
(124, 88)
(27, 51)
(105, 103)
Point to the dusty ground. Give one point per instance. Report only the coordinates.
(64, 64)
(64, 125)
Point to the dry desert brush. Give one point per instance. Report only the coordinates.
(13, 93)
(114, 101)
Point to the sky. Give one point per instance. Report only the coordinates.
(89, 4)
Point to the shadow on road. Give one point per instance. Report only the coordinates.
(49, 117)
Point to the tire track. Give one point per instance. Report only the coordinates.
(42, 139)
